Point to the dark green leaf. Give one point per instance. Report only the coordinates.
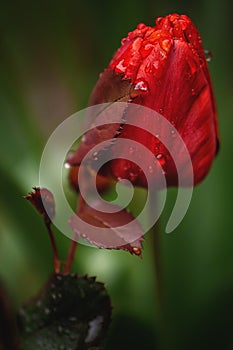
(71, 312)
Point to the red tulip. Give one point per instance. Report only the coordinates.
(163, 68)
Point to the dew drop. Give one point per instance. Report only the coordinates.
(208, 55)
(60, 329)
(150, 169)
(83, 235)
(165, 44)
(131, 150)
(54, 297)
(173, 133)
(188, 76)
(158, 20)
(193, 92)
(67, 165)
(148, 67)
(120, 67)
(161, 110)
(161, 158)
(137, 251)
(39, 303)
(132, 176)
(123, 41)
(73, 319)
(156, 64)
(47, 311)
(94, 155)
(142, 86)
(141, 26)
(173, 122)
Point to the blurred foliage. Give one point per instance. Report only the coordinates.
(50, 56)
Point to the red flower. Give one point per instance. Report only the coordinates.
(163, 68)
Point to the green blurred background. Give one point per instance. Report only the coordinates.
(50, 57)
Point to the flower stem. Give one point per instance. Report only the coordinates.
(157, 255)
(70, 257)
(157, 247)
(73, 244)
(57, 262)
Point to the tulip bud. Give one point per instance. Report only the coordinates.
(162, 68)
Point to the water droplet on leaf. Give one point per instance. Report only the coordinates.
(47, 311)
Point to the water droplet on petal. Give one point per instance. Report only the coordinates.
(123, 40)
(150, 169)
(161, 158)
(173, 133)
(67, 165)
(141, 26)
(188, 76)
(158, 20)
(193, 92)
(132, 176)
(137, 251)
(173, 122)
(131, 150)
(120, 68)
(156, 64)
(208, 55)
(165, 44)
(94, 155)
(161, 110)
(148, 67)
(142, 86)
